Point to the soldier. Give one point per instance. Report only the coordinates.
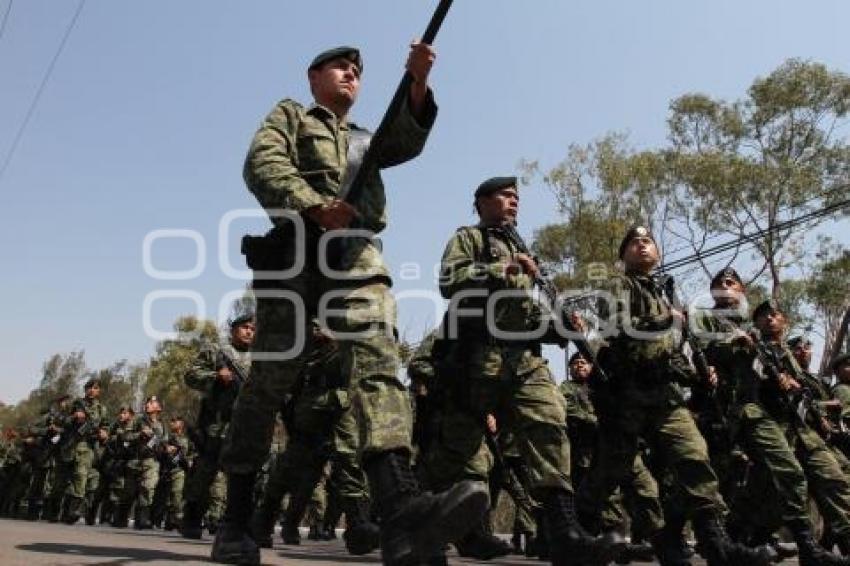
(40, 448)
(146, 437)
(840, 367)
(486, 373)
(96, 486)
(793, 404)
(759, 424)
(299, 162)
(14, 472)
(77, 451)
(639, 490)
(644, 401)
(174, 462)
(218, 373)
(115, 467)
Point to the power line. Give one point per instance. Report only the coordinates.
(732, 244)
(5, 18)
(40, 90)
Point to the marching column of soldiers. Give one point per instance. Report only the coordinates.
(672, 422)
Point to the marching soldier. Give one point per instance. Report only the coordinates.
(644, 401)
(489, 372)
(119, 448)
(218, 373)
(77, 452)
(300, 161)
(146, 437)
(40, 449)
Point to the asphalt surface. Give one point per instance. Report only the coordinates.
(25, 543)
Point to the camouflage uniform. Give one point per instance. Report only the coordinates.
(120, 448)
(645, 401)
(77, 456)
(142, 468)
(639, 489)
(205, 490)
(509, 380)
(172, 481)
(322, 430)
(41, 443)
(297, 160)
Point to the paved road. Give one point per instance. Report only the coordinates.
(36, 544)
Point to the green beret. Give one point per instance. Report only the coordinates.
(796, 341)
(575, 356)
(494, 184)
(634, 232)
(350, 53)
(838, 360)
(242, 319)
(766, 307)
(727, 271)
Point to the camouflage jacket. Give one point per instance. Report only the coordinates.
(581, 422)
(299, 156)
(217, 398)
(144, 446)
(641, 342)
(841, 391)
(474, 261)
(420, 369)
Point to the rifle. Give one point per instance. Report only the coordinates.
(547, 287)
(77, 432)
(223, 359)
(369, 164)
(668, 287)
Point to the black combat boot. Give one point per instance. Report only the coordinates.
(569, 543)
(531, 544)
(810, 553)
(192, 519)
(670, 548)
(292, 517)
(91, 509)
(143, 518)
(783, 550)
(719, 550)
(637, 550)
(51, 510)
(480, 543)
(107, 508)
(416, 525)
(516, 543)
(34, 507)
(262, 525)
(233, 544)
(121, 516)
(361, 535)
(72, 510)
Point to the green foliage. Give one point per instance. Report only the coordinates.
(730, 168)
(171, 361)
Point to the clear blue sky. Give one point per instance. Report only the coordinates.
(145, 120)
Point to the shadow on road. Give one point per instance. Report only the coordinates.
(120, 555)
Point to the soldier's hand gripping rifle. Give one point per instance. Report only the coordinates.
(369, 164)
(550, 293)
(224, 360)
(668, 285)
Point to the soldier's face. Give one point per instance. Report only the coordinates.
(842, 372)
(243, 335)
(803, 354)
(176, 427)
(580, 370)
(124, 416)
(499, 207)
(336, 83)
(153, 407)
(93, 392)
(772, 323)
(641, 253)
(727, 292)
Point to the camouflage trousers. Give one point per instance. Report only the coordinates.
(201, 487)
(322, 429)
(140, 482)
(527, 405)
(651, 413)
(366, 314)
(77, 472)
